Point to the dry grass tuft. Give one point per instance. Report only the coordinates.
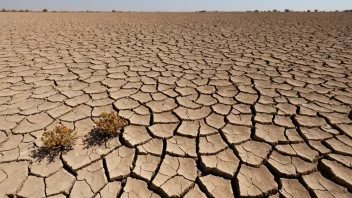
(61, 137)
(110, 123)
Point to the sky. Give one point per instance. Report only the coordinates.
(176, 5)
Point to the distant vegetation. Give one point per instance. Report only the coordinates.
(274, 10)
(111, 11)
(4, 10)
(288, 10)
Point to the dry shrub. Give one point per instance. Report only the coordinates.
(110, 123)
(61, 137)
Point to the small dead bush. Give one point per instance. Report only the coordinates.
(110, 123)
(61, 137)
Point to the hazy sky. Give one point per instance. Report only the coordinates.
(176, 5)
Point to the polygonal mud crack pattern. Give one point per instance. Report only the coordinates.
(218, 104)
(175, 177)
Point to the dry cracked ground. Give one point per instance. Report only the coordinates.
(219, 104)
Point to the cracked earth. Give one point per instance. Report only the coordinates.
(219, 104)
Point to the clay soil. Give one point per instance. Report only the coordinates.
(218, 104)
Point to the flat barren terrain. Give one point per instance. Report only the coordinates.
(218, 104)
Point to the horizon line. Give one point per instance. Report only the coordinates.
(272, 10)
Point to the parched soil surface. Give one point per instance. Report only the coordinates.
(218, 104)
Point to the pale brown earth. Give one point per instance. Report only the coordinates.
(219, 104)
